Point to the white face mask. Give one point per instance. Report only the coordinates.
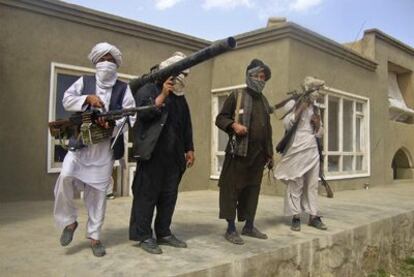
(179, 85)
(106, 74)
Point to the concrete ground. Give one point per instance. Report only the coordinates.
(29, 241)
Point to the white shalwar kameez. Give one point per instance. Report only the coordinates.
(299, 167)
(88, 169)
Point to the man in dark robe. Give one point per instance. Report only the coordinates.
(248, 151)
(163, 145)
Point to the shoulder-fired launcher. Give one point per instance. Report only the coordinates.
(175, 69)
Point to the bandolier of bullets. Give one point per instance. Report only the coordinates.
(93, 133)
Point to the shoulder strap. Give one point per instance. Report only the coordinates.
(239, 94)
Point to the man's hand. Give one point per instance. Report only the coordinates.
(302, 106)
(239, 129)
(189, 158)
(94, 101)
(167, 87)
(315, 122)
(103, 123)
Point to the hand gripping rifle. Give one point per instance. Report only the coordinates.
(175, 69)
(82, 126)
(299, 98)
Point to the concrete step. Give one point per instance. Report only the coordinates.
(367, 229)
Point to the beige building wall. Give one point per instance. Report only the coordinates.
(391, 54)
(339, 73)
(37, 33)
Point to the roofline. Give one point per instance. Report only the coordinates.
(391, 40)
(306, 36)
(79, 14)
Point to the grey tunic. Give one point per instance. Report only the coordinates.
(240, 171)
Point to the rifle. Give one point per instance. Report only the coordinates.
(82, 125)
(299, 97)
(175, 69)
(328, 189)
(281, 147)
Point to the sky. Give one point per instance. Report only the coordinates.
(339, 20)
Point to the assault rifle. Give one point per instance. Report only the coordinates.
(175, 69)
(82, 125)
(299, 98)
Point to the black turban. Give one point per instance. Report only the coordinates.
(256, 63)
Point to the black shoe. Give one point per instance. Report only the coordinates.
(67, 234)
(98, 249)
(295, 224)
(110, 196)
(172, 241)
(315, 221)
(234, 237)
(151, 246)
(254, 233)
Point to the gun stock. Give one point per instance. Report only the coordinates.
(328, 189)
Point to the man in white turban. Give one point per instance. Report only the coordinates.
(163, 146)
(299, 166)
(103, 48)
(89, 168)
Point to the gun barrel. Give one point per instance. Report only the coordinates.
(115, 114)
(200, 56)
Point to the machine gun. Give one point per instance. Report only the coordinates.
(82, 126)
(175, 69)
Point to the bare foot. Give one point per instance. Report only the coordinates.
(94, 242)
(72, 226)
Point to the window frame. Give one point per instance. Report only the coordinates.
(215, 94)
(365, 153)
(55, 69)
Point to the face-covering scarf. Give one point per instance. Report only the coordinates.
(106, 74)
(252, 82)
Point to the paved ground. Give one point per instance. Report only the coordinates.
(29, 242)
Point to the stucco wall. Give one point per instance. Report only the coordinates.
(345, 76)
(291, 61)
(395, 135)
(34, 37)
(32, 41)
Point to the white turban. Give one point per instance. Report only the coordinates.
(103, 48)
(176, 57)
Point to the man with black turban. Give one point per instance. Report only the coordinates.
(245, 117)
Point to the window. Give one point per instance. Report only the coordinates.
(218, 137)
(400, 94)
(61, 78)
(346, 138)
